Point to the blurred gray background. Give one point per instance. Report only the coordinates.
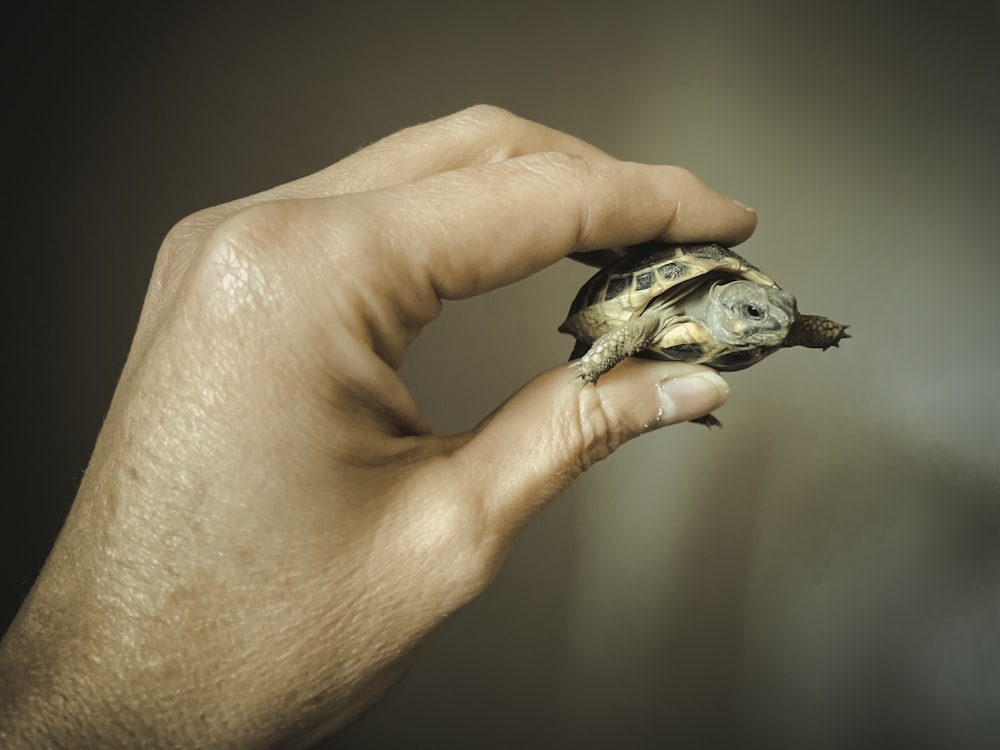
(824, 572)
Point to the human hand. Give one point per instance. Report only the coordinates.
(268, 526)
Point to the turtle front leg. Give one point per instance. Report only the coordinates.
(615, 345)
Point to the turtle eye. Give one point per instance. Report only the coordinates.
(753, 311)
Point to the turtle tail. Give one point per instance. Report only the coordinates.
(815, 332)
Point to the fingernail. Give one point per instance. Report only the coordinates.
(744, 206)
(691, 396)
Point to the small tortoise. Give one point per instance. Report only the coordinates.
(691, 303)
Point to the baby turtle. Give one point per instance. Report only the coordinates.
(691, 303)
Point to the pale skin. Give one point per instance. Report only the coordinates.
(267, 526)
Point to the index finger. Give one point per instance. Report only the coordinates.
(471, 230)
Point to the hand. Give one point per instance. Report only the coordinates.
(267, 526)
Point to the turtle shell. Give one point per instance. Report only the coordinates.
(624, 290)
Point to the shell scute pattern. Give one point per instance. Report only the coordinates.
(670, 271)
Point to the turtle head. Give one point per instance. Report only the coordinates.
(745, 314)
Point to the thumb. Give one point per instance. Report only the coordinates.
(556, 427)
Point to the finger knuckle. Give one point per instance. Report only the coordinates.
(487, 117)
(256, 227)
(683, 174)
(237, 269)
(180, 245)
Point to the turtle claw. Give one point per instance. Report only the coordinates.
(586, 371)
(843, 335)
(709, 420)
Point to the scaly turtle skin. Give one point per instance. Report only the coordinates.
(690, 303)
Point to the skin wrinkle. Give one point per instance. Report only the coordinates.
(489, 130)
(598, 428)
(426, 257)
(384, 306)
